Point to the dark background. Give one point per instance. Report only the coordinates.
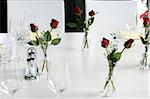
(69, 16)
(3, 16)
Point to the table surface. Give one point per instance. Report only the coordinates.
(88, 70)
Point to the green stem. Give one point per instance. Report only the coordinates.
(82, 22)
(51, 30)
(43, 65)
(146, 49)
(110, 74)
(37, 35)
(45, 62)
(86, 42)
(123, 50)
(42, 46)
(107, 51)
(86, 33)
(113, 85)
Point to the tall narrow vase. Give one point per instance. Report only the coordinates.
(45, 60)
(86, 41)
(144, 62)
(109, 87)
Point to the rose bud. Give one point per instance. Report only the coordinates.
(91, 13)
(146, 21)
(77, 10)
(54, 23)
(128, 43)
(144, 14)
(105, 43)
(34, 28)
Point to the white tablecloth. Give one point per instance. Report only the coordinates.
(88, 70)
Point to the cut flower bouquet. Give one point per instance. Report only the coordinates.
(44, 39)
(145, 39)
(113, 56)
(85, 24)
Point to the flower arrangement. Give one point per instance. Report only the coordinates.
(145, 39)
(113, 56)
(85, 24)
(44, 39)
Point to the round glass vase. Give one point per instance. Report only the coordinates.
(144, 62)
(85, 42)
(109, 87)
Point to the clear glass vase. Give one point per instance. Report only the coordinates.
(45, 63)
(85, 43)
(144, 62)
(44, 60)
(109, 87)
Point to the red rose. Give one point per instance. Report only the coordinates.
(105, 43)
(146, 21)
(91, 13)
(77, 10)
(54, 23)
(145, 14)
(34, 28)
(128, 43)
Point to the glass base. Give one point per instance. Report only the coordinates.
(108, 94)
(109, 89)
(85, 43)
(145, 67)
(144, 62)
(85, 49)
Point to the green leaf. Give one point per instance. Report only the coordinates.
(33, 42)
(47, 36)
(116, 56)
(71, 25)
(56, 41)
(78, 23)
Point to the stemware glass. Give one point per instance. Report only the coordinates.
(10, 76)
(20, 28)
(58, 76)
(7, 47)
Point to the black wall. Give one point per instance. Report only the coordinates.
(69, 16)
(3, 16)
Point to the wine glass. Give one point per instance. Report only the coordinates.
(58, 76)
(20, 27)
(7, 46)
(10, 76)
(19, 32)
